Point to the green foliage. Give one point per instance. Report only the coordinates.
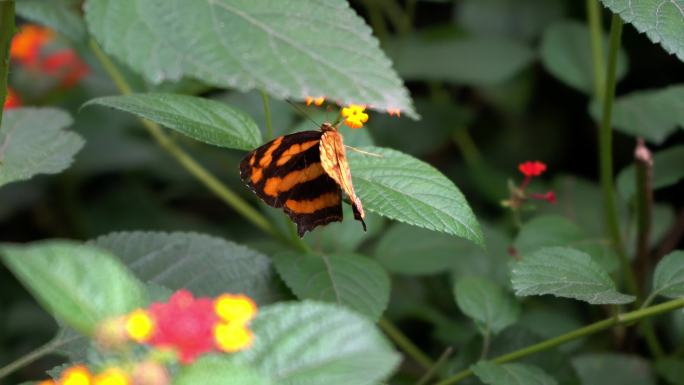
(667, 171)
(61, 15)
(347, 279)
(565, 272)
(671, 369)
(668, 279)
(201, 119)
(216, 370)
(600, 369)
(81, 285)
(292, 51)
(33, 141)
(511, 374)
(486, 303)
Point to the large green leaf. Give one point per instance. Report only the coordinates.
(668, 279)
(309, 343)
(291, 49)
(403, 188)
(218, 370)
(200, 263)
(511, 374)
(565, 272)
(81, 285)
(347, 279)
(32, 141)
(472, 61)
(566, 53)
(660, 20)
(667, 170)
(651, 114)
(60, 15)
(602, 369)
(486, 303)
(202, 119)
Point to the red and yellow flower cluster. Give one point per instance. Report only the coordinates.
(354, 115)
(145, 373)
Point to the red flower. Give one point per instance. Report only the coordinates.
(66, 66)
(532, 169)
(185, 324)
(12, 100)
(26, 44)
(548, 196)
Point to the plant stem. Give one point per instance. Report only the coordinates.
(435, 368)
(467, 145)
(191, 165)
(606, 158)
(6, 32)
(405, 344)
(620, 319)
(644, 204)
(267, 113)
(594, 18)
(28, 358)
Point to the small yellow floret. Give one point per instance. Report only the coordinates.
(354, 115)
(76, 375)
(232, 337)
(316, 101)
(139, 326)
(235, 308)
(112, 376)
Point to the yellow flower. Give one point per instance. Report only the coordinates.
(354, 115)
(316, 101)
(232, 337)
(139, 326)
(112, 376)
(235, 308)
(75, 375)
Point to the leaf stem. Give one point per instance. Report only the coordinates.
(267, 113)
(606, 158)
(435, 368)
(620, 319)
(405, 343)
(594, 18)
(6, 32)
(26, 359)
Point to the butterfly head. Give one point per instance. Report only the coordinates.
(325, 127)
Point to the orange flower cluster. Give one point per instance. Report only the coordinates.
(145, 373)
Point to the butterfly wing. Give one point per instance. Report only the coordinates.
(334, 161)
(287, 173)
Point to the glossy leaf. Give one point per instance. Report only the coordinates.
(309, 343)
(565, 272)
(486, 303)
(667, 171)
(511, 374)
(61, 15)
(201, 119)
(566, 53)
(80, 285)
(608, 368)
(660, 20)
(668, 279)
(218, 370)
(347, 279)
(205, 265)
(33, 141)
(403, 188)
(293, 50)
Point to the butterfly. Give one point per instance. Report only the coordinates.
(304, 174)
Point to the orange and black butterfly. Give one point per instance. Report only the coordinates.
(304, 174)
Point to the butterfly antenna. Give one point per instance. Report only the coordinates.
(303, 113)
(364, 152)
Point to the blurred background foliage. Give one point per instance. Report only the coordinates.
(496, 82)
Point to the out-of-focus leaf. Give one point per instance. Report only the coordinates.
(602, 369)
(60, 15)
(345, 236)
(667, 170)
(487, 304)
(520, 19)
(651, 114)
(292, 50)
(670, 369)
(205, 265)
(349, 280)
(668, 279)
(32, 141)
(660, 20)
(511, 374)
(565, 272)
(309, 343)
(80, 285)
(403, 188)
(218, 370)
(202, 119)
(551, 321)
(566, 53)
(464, 60)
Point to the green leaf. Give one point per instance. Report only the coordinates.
(201, 119)
(291, 49)
(218, 370)
(60, 15)
(403, 188)
(345, 236)
(471, 61)
(566, 53)
(667, 171)
(565, 272)
(205, 265)
(511, 374)
(80, 285)
(668, 279)
(651, 114)
(608, 368)
(349, 280)
(32, 141)
(660, 20)
(309, 343)
(672, 369)
(486, 303)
